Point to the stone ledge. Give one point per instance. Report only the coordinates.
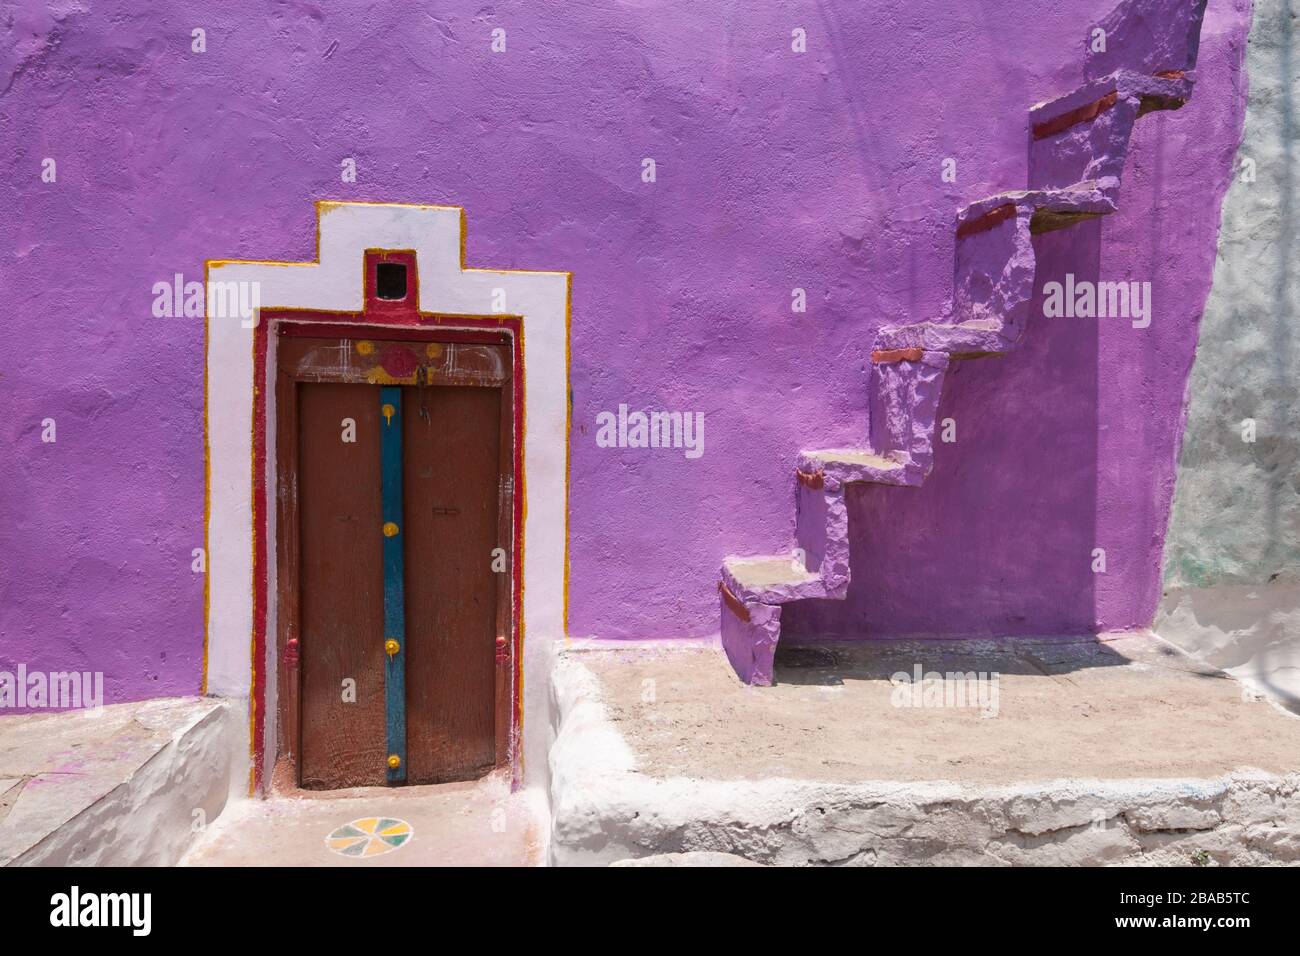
(117, 789)
(771, 579)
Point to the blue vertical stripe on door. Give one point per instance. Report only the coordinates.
(390, 453)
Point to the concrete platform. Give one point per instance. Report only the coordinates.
(459, 824)
(128, 785)
(1082, 751)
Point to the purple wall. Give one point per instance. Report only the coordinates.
(775, 170)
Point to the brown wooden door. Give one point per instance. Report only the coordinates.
(456, 455)
(343, 740)
(451, 478)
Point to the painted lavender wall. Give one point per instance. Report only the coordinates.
(775, 170)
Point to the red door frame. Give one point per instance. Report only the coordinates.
(381, 319)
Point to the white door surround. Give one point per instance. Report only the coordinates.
(236, 445)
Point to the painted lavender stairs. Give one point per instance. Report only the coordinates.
(1078, 145)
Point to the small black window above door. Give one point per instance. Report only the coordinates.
(390, 280)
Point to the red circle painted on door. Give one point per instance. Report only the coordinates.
(399, 362)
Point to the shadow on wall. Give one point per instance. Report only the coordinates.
(1017, 486)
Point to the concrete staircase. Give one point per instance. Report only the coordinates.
(1078, 145)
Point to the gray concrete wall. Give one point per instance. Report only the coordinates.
(1232, 555)
(1236, 516)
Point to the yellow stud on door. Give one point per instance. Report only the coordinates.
(389, 411)
(390, 529)
(391, 647)
(394, 761)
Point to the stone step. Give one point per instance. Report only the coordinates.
(1084, 135)
(1167, 91)
(850, 464)
(1049, 209)
(967, 339)
(771, 579)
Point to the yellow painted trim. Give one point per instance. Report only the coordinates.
(207, 495)
(464, 232)
(568, 432)
(360, 320)
(332, 204)
(526, 272)
(222, 263)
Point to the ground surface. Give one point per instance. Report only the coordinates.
(461, 824)
(1119, 750)
(1128, 707)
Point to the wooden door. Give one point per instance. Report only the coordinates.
(452, 480)
(343, 735)
(396, 559)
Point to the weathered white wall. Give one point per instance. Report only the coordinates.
(1232, 556)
